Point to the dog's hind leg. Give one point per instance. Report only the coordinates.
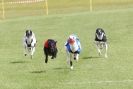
(53, 56)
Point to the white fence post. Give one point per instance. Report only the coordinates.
(3, 10)
(91, 5)
(46, 3)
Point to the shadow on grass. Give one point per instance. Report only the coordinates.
(60, 68)
(38, 72)
(91, 57)
(18, 62)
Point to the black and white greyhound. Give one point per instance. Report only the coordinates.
(29, 42)
(101, 41)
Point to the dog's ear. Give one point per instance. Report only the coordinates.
(26, 31)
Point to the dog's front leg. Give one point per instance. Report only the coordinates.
(46, 58)
(106, 48)
(71, 64)
(25, 50)
(98, 48)
(46, 54)
(32, 51)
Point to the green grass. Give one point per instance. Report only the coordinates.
(92, 71)
(19, 72)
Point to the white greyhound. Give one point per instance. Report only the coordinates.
(73, 48)
(29, 42)
(101, 41)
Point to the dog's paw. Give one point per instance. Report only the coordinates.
(74, 58)
(106, 56)
(52, 57)
(71, 67)
(99, 53)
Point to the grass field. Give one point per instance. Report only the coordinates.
(91, 72)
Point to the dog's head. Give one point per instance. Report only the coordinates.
(100, 33)
(52, 46)
(28, 33)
